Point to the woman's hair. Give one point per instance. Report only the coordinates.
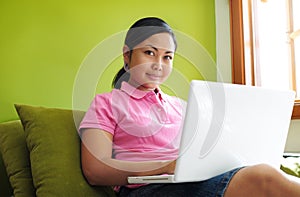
(137, 33)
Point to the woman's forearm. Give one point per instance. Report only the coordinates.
(108, 171)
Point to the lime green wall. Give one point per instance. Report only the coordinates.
(43, 43)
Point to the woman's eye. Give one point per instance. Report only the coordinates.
(149, 53)
(168, 57)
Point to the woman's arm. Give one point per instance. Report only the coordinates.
(100, 168)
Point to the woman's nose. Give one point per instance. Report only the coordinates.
(157, 65)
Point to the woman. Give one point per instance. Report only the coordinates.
(134, 130)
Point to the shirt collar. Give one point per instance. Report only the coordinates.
(138, 94)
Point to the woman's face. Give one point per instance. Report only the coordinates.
(151, 61)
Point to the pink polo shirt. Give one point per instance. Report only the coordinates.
(146, 125)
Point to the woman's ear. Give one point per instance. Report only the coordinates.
(126, 54)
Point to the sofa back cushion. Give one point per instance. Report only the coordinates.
(54, 146)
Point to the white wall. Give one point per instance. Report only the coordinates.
(224, 65)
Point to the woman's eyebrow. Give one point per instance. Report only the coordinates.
(156, 49)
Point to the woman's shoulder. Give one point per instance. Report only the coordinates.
(103, 96)
(108, 96)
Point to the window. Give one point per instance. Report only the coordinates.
(265, 40)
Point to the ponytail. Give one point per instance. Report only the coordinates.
(121, 76)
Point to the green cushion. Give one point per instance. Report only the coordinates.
(54, 146)
(16, 158)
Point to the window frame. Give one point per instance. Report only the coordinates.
(237, 49)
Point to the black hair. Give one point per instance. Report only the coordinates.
(137, 33)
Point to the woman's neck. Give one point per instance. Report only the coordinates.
(142, 87)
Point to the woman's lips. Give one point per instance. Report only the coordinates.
(153, 76)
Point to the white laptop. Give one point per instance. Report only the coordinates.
(228, 126)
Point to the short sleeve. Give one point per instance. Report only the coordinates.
(99, 114)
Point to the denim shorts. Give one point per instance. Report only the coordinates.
(215, 186)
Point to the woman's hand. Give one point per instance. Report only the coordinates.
(170, 168)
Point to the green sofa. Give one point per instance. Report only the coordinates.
(40, 155)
